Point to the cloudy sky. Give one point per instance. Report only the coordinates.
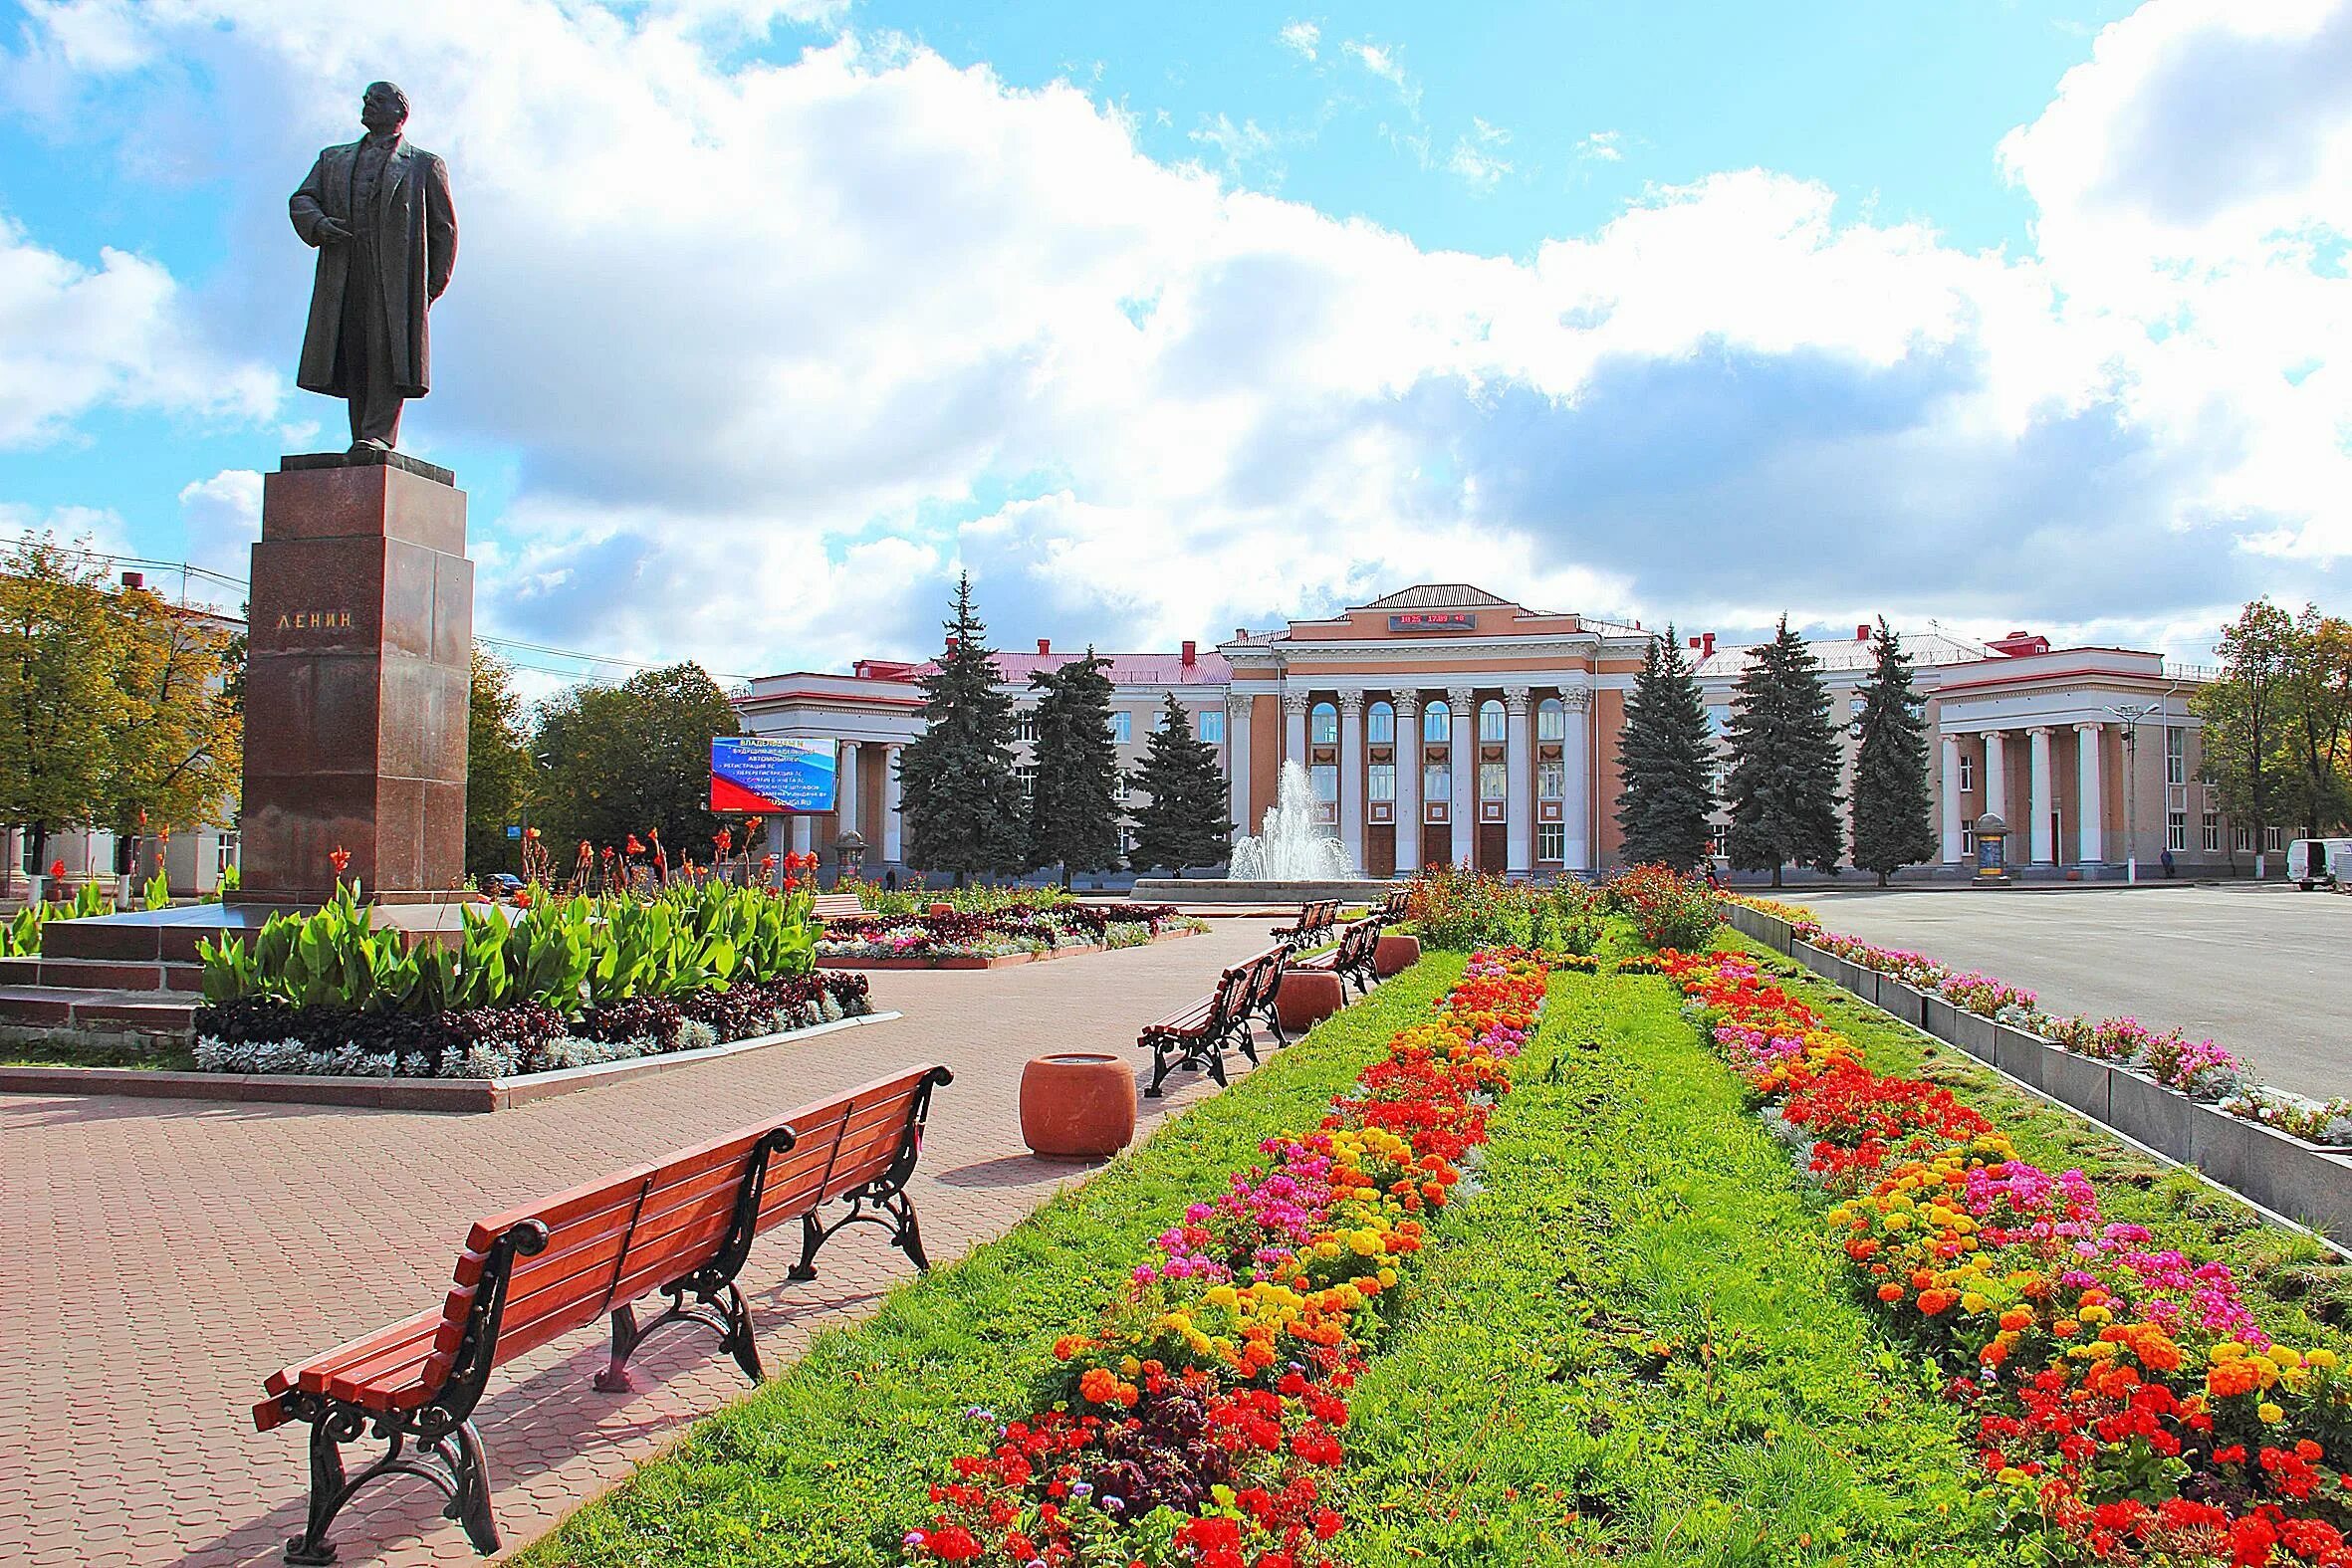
(769, 315)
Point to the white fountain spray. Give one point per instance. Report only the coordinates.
(1292, 844)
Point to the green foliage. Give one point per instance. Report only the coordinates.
(1667, 762)
(1183, 824)
(1568, 917)
(567, 953)
(2278, 737)
(634, 758)
(498, 767)
(961, 803)
(829, 1460)
(1668, 908)
(230, 880)
(1784, 783)
(1892, 825)
(158, 893)
(20, 936)
(1458, 909)
(1074, 808)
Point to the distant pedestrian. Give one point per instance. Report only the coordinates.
(2167, 857)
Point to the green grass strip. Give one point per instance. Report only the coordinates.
(1636, 1344)
(2301, 1292)
(830, 1463)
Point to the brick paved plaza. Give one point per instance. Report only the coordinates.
(167, 1255)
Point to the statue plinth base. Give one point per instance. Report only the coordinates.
(358, 677)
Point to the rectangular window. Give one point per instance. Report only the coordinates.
(2175, 756)
(1551, 842)
(1551, 778)
(1380, 781)
(1211, 725)
(1326, 782)
(1968, 839)
(1122, 726)
(1027, 779)
(1380, 723)
(2213, 829)
(2176, 830)
(2273, 839)
(1024, 724)
(2244, 840)
(1719, 841)
(1967, 775)
(1437, 783)
(1493, 779)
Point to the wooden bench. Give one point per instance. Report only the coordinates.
(1266, 984)
(1315, 922)
(683, 1226)
(1392, 908)
(834, 906)
(1196, 1035)
(1352, 958)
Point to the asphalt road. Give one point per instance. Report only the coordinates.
(2264, 969)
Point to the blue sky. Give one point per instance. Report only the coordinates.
(772, 316)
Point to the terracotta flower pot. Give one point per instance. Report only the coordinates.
(1396, 955)
(1077, 1105)
(943, 909)
(1308, 997)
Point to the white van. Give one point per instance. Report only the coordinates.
(2317, 862)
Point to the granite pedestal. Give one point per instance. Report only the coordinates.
(357, 683)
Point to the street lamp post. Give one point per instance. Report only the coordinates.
(2129, 715)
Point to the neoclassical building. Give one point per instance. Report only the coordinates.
(1446, 724)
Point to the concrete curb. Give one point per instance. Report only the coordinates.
(2281, 1176)
(455, 1096)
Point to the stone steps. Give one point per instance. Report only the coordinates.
(99, 1011)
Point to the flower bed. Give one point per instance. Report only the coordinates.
(560, 983)
(1190, 1424)
(2126, 1403)
(1013, 933)
(2197, 1068)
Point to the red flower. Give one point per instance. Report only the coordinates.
(724, 839)
(341, 859)
(56, 869)
(634, 846)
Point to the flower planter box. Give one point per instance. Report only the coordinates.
(1976, 1034)
(2283, 1173)
(390, 1094)
(2019, 1054)
(2145, 1110)
(1812, 958)
(1907, 1003)
(2077, 1081)
(959, 961)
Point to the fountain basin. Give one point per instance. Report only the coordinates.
(1221, 890)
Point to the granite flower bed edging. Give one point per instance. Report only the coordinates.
(2303, 1182)
(460, 1095)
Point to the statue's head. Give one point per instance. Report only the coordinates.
(383, 107)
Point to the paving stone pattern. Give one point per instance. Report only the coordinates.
(163, 1256)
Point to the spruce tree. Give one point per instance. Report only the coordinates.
(1074, 808)
(1783, 784)
(1184, 825)
(961, 803)
(1665, 760)
(1892, 827)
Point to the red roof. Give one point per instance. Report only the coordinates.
(1126, 669)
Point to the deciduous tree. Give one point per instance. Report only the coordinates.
(498, 767)
(2248, 737)
(623, 760)
(177, 741)
(61, 649)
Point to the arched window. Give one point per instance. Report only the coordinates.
(1380, 723)
(1322, 725)
(1490, 721)
(1436, 721)
(1551, 720)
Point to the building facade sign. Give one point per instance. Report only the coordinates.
(1434, 620)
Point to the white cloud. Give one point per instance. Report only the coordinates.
(75, 338)
(776, 347)
(1301, 37)
(1602, 146)
(1383, 61)
(1236, 146)
(222, 517)
(1476, 158)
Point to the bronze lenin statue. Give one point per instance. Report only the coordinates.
(378, 213)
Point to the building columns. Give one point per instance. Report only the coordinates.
(1996, 776)
(846, 793)
(1351, 778)
(2090, 802)
(1294, 728)
(893, 826)
(2039, 798)
(1408, 781)
(1955, 841)
(1463, 755)
(1575, 757)
(803, 836)
(1520, 808)
(1237, 764)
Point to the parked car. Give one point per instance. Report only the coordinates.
(2318, 862)
(501, 884)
